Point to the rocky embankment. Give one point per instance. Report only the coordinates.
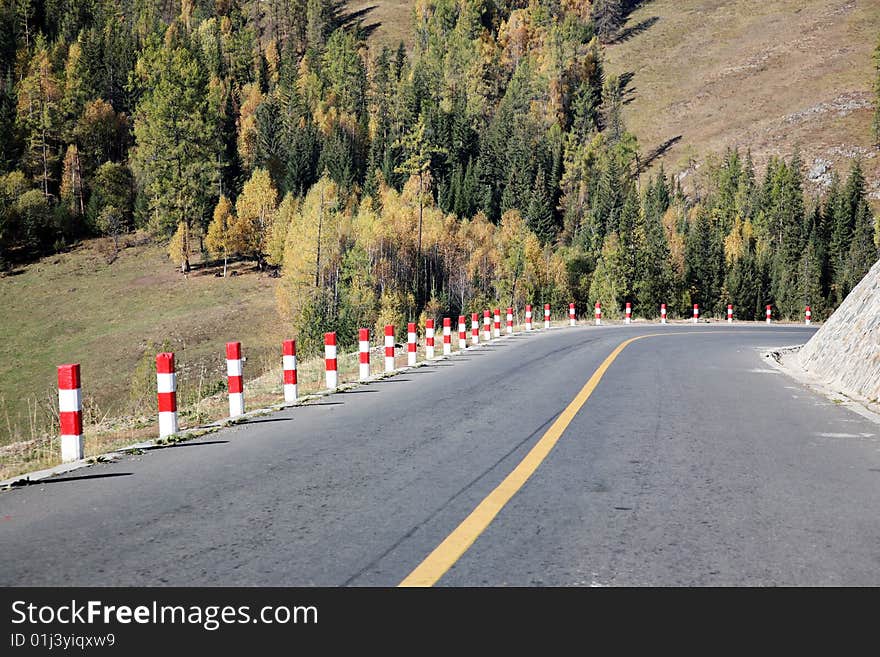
(845, 353)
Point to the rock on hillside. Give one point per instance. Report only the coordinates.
(845, 352)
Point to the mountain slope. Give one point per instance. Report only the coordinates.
(770, 76)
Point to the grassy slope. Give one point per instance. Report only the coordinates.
(392, 20)
(74, 307)
(772, 76)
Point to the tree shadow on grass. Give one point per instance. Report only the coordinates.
(628, 33)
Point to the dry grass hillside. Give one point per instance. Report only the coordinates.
(770, 76)
(390, 21)
(77, 307)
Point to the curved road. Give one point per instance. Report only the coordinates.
(692, 463)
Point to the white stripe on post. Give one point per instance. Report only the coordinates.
(363, 354)
(288, 367)
(332, 376)
(389, 347)
(546, 315)
(662, 313)
(572, 317)
(412, 344)
(447, 336)
(462, 332)
(528, 317)
(629, 313)
(598, 313)
(808, 315)
(235, 382)
(429, 339)
(70, 413)
(166, 389)
(475, 328)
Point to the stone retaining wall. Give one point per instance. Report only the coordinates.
(845, 352)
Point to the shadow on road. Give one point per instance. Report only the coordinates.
(58, 480)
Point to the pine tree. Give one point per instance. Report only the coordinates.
(539, 215)
(607, 17)
(863, 250)
(39, 118)
(173, 159)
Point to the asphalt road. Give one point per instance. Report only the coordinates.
(693, 463)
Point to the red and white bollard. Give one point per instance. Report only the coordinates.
(475, 328)
(331, 374)
(696, 313)
(572, 317)
(808, 315)
(235, 381)
(496, 317)
(546, 315)
(166, 389)
(510, 321)
(528, 317)
(70, 413)
(288, 369)
(363, 354)
(412, 344)
(462, 332)
(429, 339)
(629, 313)
(598, 314)
(447, 336)
(769, 313)
(730, 313)
(662, 313)
(389, 347)
(487, 325)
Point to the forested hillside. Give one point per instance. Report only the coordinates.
(489, 163)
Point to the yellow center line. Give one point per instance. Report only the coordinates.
(462, 537)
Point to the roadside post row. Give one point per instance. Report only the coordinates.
(70, 390)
